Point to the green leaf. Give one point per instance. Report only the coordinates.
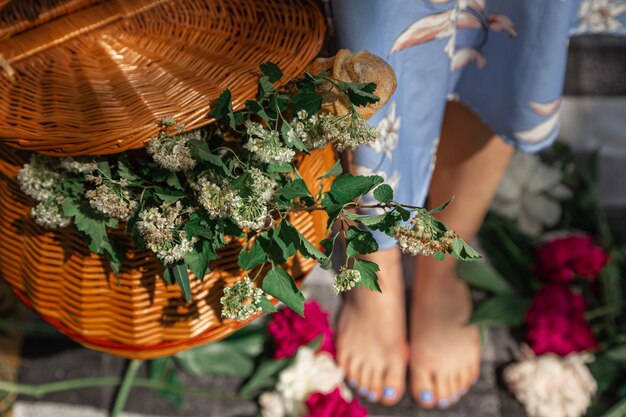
(463, 251)
(266, 89)
(198, 262)
(281, 285)
(105, 168)
(255, 107)
(114, 253)
(482, 275)
(123, 170)
(281, 243)
(617, 354)
(279, 168)
(162, 370)
(168, 276)
(267, 306)
(254, 256)
(440, 208)
(334, 171)
(383, 193)
(308, 101)
(501, 310)
(264, 377)
(329, 245)
(181, 276)
(366, 219)
(360, 94)
(173, 181)
(218, 358)
(295, 189)
(89, 222)
(359, 242)
(169, 196)
(309, 250)
(272, 71)
(618, 410)
(347, 187)
(223, 110)
(368, 270)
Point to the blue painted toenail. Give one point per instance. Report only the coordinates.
(363, 391)
(371, 396)
(352, 383)
(426, 397)
(454, 398)
(389, 392)
(443, 403)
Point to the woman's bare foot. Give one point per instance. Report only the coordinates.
(445, 352)
(371, 334)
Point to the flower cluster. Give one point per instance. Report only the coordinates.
(79, 165)
(39, 178)
(219, 201)
(290, 331)
(112, 199)
(173, 152)
(555, 322)
(346, 280)
(49, 213)
(265, 146)
(319, 130)
(162, 231)
(421, 236)
(242, 300)
(552, 386)
(564, 258)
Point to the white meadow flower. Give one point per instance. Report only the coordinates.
(173, 152)
(78, 165)
(38, 178)
(112, 200)
(263, 187)
(552, 386)
(309, 373)
(219, 201)
(346, 280)
(529, 193)
(242, 300)
(265, 145)
(252, 214)
(49, 214)
(421, 237)
(161, 230)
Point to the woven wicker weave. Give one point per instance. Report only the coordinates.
(93, 80)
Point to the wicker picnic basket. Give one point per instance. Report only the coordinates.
(87, 77)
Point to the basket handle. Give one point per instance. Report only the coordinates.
(42, 37)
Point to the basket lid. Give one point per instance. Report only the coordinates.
(93, 77)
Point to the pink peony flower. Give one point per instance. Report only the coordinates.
(555, 322)
(564, 258)
(334, 405)
(290, 330)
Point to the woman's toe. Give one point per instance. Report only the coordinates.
(423, 389)
(394, 382)
(442, 388)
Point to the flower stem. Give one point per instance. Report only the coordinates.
(127, 384)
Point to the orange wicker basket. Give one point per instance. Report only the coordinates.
(86, 77)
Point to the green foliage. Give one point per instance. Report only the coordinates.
(482, 275)
(501, 310)
(281, 285)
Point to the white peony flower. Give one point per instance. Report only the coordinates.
(272, 404)
(529, 194)
(552, 386)
(311, 372)
(388, 129)
(601, 15)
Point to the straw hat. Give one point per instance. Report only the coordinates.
(93, 77)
